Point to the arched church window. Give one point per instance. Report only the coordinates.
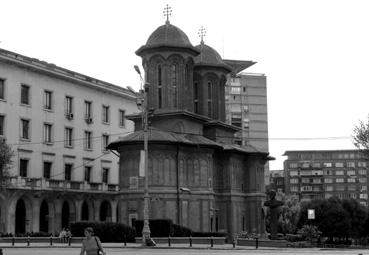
(160, 91)
(210, 85)
(196, 96)
(174, 84)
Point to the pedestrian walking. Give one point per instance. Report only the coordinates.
(91, 245)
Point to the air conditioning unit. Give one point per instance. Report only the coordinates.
(89, 120)
(69, 116)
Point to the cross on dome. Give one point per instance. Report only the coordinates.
(202, 34)
(167, 12)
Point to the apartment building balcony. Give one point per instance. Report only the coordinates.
(18, 182)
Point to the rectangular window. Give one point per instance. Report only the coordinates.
(25, 94)
(47, 169)
(133, 182)
(362, 180)
(362, 172)
(25, 129)
(329, 188)
(339, 164)
(328, 180)
(351, 180)
(351, 172)
(350, 164)
(2, 89)
(340, 188)
(294, 173)
(47, 133)
(328, 172)
(294, 180)
(305, 165)
(293, 165)
(68, 141)
(88, 140)
(105, 114)
(68, 105)
(88, 173)
(363, 196)
(351, 187)
(105, 142)
(340, 180)
(294, 188)
(88, 110)
(68, 172)
(361, 164)
(317, 180)
(23, 167)
(48, 100)
(122, 118)
(305, 180)
(316, 165)
(105, 175)
(327, 164)
(2, 124)
(339, 172)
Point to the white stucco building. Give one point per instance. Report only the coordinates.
(58, 123)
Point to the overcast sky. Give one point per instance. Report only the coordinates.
(314, 53)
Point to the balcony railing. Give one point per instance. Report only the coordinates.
(18, 182)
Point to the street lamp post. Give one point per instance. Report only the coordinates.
(146, 226)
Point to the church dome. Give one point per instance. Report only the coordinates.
(167, 35)
(209, 57)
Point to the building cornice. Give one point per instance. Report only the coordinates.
(62, 73)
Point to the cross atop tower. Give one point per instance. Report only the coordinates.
(202, 34)
(167, 12)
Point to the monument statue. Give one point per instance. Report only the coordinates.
(273, 204)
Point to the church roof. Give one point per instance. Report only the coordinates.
(167, 35)
(238, 65)
(210, 57)
(160, 136)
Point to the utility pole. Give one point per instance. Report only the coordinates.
(146, 227)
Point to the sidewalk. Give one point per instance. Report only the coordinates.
(138, 246)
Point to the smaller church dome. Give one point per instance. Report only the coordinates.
(210, 57)
(167, 35)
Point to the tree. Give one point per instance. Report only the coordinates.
(361, 137)
(335, 217)
(290, 215)
(6, 155)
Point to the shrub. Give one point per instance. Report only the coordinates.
(106, 231)
(180, 231)
(209, 234)
(158, 227)
(309, 232)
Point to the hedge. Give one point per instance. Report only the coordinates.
(106, 231)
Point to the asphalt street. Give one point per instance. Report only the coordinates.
(180, 251)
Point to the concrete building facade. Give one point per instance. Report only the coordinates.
(247, 108)
(277, 181)
(58, 123)
(327, 173)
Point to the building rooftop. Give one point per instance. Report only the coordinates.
(54, 70)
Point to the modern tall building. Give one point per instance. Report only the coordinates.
(327, 173)
(58, 123)
(246, 108)
(277, 181)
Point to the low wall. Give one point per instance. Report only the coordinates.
(55, 240)
(262, 243)
(195, 240)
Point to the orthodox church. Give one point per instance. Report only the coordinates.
(197, 176)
